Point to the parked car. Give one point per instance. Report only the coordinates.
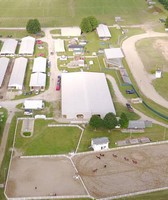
(28, 112)
(41, 54)
(130, 91)
(58, 86)
(129, 107)
(39, 42)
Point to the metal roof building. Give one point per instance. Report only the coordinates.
(37, 81)
(59, 45)
(103, 31)
(85, 94)
(33, 104)
(18, 73)
(27, 46)
(9, 47)
(4, 62)
(39, 65)
(71, 31)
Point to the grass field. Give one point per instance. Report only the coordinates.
(70, 12)
(47, 141)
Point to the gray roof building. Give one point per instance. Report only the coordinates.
(99, 141)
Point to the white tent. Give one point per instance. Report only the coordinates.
(59, 45)
(33, 104)
(71, 31)
(4, 62)
(103, 31)
(39, 64)
(85, 94)
(27, 46)
(18, 73)
(37, 81)
(9, 47)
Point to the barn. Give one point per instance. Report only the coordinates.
(9, 47)
(19, 68)
(103, 32)
(27, 46)
(85, 94)
(39, 65)
(4, 62)
(37, 81)
(59, 45)
(99, 144)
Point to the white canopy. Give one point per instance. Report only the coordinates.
(33, 104)
(39, 64)
(113, 53)
(18, 73)
(37, 80)
(85, 94)
(59, 45)
(27, 46)
(103, 31)
(3, 67)
(9, 47)
(71, 31)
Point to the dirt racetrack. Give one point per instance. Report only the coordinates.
(34, 177)
(124, 171)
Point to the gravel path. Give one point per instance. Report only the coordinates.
(136, 66)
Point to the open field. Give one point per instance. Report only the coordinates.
(33, 177)
(70, 12)
(121, 176)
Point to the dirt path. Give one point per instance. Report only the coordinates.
(136, 66)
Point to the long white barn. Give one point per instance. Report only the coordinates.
(85, 94)
(18, 73)
(4, 62)
(27, 46)
(39, 65)
(9, 47)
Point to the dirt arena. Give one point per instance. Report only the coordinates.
(34, 177)
(124, 171)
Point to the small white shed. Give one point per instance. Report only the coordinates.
(158, 73)
(99, 144)
(33, 104)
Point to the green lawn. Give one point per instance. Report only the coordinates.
(47, 141)
(156, 133)
(17, 33)
(3, 118)
(70, 12)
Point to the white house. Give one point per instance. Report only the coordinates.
(103, 32)
(18, 73)
(9, 47)
(71, 31)
(59, 45)
(99, 144)
(113, 56)
(85, 94)
(33, 104)
(39, 65)
(4, 62)
(27, 46)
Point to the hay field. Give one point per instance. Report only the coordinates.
(70, 12)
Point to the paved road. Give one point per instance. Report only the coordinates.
(138, 71)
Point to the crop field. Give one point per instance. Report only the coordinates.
(70, 12)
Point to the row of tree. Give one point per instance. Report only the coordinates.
(109, 121)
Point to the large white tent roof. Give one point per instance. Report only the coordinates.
(59, 45)
(103, 31)
(27, 45)
(113, 53)
(9, 47)
(39, 64)
(33, 104)
(37, 80)
(71, 31)
(3, 67)
(18, 73)
(85, 93)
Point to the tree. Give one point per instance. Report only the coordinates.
(110, 121)
(93, 21)
(85, 25)
(33, 26)
(123, 120)
(166, 23)
(96, 121)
